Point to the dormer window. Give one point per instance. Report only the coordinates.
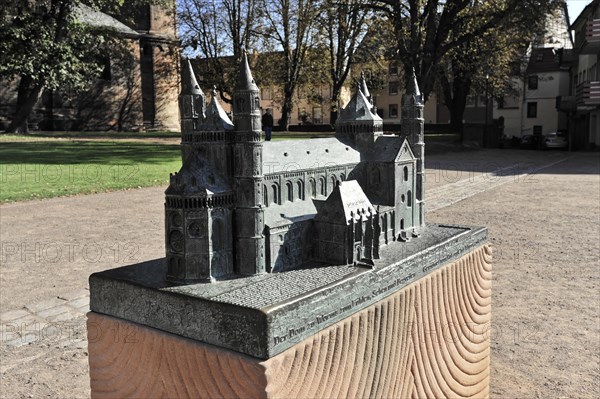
(532, 82)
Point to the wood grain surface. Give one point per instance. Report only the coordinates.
(428, 340)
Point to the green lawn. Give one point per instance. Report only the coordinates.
(31, 170)
(91, 135)
(39, 166)
(51, 167)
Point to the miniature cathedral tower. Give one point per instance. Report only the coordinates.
(358, 121)
(413, 128)
(199, 200)
(191, 100)
(248, 174)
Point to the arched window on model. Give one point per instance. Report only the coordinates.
(217, 237)
(290, 191)
(275, 190)
(265, 195)
(406, 173)
(313, 188)
(322, 188)
(409, 198)
(300, 187)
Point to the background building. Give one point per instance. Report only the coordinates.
(584, 100)
(137, 88)
(538, 80)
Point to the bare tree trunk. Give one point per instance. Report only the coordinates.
(334, 104)
(455, 97)
(286, 109)
(28, 95)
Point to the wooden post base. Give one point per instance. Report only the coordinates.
(430, 339)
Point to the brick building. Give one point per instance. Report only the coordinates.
(137, 89)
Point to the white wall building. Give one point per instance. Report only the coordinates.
(585, 92)
(531, 107)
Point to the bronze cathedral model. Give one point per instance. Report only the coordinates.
(240, 206)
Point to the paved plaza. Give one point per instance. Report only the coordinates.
(542, 210)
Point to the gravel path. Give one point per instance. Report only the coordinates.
(543, 224)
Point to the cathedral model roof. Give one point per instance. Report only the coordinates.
(346, 203)
(359, 108)
(390, 149)
(197, 178)
(285, 156)
(217, 115)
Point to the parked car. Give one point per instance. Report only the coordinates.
(555, 140)
(530, 142)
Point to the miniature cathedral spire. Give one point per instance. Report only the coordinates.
(189, 84)
(412, 88)
(245, 81)
(191, 100)
(363, 87)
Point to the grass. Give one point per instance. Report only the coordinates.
(31, 170)
(51, 164)
(92, 135)
(36, 166)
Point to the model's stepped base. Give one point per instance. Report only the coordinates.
(429, 340)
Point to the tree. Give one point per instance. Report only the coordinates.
(289, 27)
(485, 63)
(427, 30)
(44, 46)
(343, 23)
(217, 31)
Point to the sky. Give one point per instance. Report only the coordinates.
(575, 8)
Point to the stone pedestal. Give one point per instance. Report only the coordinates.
(429, 338)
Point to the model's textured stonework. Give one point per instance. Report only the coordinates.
(430, 339)
(241, 207)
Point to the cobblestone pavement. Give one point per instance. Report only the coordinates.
(54, 318)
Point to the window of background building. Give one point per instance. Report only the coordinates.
(265, 93)
(532, 82)
(393, 88)
(393, 68)
(532, 110)
(393, 108)
(106, 73)
(471, 101)
(508, 102)
(317, 115)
